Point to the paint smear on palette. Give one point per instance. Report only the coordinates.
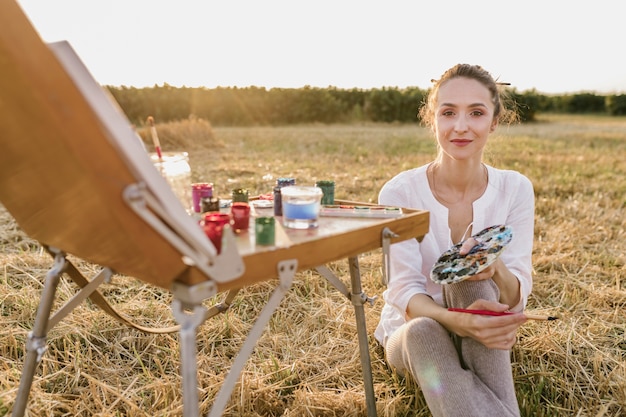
(451, 267)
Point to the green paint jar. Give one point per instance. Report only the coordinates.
(264, 229)
(240, 195)
(328, 190)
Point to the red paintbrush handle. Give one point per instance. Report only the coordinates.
(501, 313)
(481, 312)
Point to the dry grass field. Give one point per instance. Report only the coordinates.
(307, 362)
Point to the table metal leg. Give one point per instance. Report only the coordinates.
(286, 272)
(358, 299)
(189, 322)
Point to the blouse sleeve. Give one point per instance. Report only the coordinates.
(406, 277)
(518, 255)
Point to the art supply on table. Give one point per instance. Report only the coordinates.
(262, 204)
(174, 167)
(155, 137)
(301, 206)
(213, 224)
(200, 190)
(240, 213)
(328, 190)
(280, 183)
(265, 231)
(209, 204)
(344, 210)
(503, 313)
(240, 195)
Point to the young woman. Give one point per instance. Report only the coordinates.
(460, 361)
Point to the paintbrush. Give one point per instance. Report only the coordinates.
(503, 313)
(155, 138)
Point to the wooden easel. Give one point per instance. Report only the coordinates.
(75, 177)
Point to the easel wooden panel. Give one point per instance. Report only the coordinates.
(56, 153)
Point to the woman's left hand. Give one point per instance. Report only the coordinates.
(467, 246)
(486, 273)
(505, 280)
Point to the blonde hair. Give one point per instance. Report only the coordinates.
(474, 72)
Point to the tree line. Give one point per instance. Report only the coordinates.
(250, 106)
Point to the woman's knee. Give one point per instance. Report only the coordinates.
(423, 329)
(413, 337)
(419, 341)
(464, 293)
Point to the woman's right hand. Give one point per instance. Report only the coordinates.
(495, 332)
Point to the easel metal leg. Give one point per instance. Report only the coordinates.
(36, 343)
(358, 300)
(79, 297)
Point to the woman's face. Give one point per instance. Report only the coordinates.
(463, 118)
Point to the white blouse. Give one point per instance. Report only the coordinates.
(508, 200)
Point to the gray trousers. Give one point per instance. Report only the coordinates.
(458, 376)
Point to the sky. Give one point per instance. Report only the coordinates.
(552, 46)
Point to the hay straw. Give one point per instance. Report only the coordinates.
(307, 362)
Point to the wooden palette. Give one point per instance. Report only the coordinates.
(451, 267)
